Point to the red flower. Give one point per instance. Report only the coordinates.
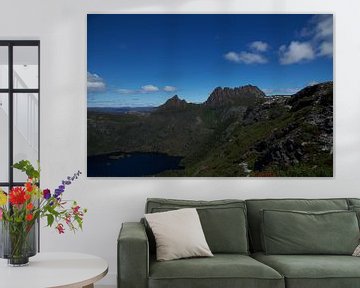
(60, 228)
(75, 209)
(29, 217)
(68, 219)
(17, 196)
(27, 196)
(29, 206)
(29, 186)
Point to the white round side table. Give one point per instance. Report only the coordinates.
(50, 270)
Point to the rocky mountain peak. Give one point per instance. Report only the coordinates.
(321, 93)
(244, 95)
(174, 103)
(316, 90)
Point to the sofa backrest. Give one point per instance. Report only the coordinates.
(256, 205)
(223, 221)
(353, 202)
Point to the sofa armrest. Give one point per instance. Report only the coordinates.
(133, 256)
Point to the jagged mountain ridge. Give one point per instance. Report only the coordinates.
(222, 96)
(231, 134)
(245, 95)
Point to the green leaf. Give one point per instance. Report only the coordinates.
(79, 221)
(53, 211)
(26, 167)
(50, 219)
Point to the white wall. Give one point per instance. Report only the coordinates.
(61, 27)
(4, 130)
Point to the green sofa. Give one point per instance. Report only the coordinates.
(233, 230)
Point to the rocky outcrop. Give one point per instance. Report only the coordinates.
(282, 148)
(320, 94)
(174, 103)
(245, 96)
(309, 135)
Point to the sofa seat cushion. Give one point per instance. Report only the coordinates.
(222, 270)
(313, 271)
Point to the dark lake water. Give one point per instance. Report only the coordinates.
(135, 164)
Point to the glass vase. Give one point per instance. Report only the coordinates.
(18, 242)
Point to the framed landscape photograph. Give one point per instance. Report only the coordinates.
(210, 95)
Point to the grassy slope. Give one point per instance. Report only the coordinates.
(215, 142)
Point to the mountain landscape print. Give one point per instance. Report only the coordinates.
(210, 95)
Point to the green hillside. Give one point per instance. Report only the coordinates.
(236, 132)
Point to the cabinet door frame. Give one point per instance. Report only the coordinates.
(10, 91)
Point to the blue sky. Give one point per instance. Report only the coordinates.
(142, 60)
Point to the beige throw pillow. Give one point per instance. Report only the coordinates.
(178, 234)
(357, 251)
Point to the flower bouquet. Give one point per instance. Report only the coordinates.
(21, 208)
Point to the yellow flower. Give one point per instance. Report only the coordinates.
(3, 198)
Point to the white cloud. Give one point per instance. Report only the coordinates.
(146, 89)
(319, 41)
(245, 57)
(296, 52)
(169, 88)
(323, 27)
(323, 34)
(95, 83)
(320, 33)
(125, 91)
(320, 27)
(149, 88)
(326, 49)
(254, 56)
(259, 46)
(232, 56)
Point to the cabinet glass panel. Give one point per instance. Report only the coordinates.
(6, 190)
(4, 67)
(4, 137)
(26, 130)
(26, 72)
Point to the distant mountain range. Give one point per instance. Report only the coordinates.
(235, 132)
(117, 110)
(240, 96)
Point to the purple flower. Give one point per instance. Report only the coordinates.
(68, 181)
(58, 193)
(46, 194)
